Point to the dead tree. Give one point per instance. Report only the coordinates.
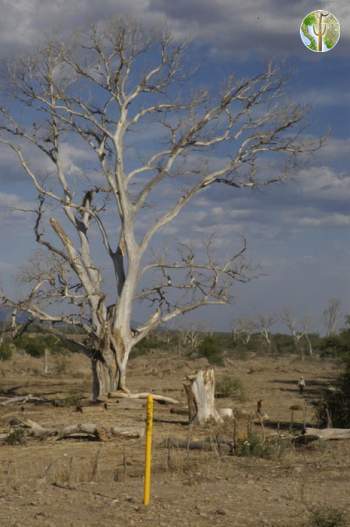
(201, 397)
(191, 337)
(100, 93)
(264, 326)
(243, 330)
(331, 316)
(299, 329)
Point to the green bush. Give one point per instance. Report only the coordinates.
(336, 403)
(73, 399)
(256, 446)
(210, 349)
(146, 345)
(6, 350)
(327, 517)
(16, 437)
(228, 386)
(35, 345)
(337, 346)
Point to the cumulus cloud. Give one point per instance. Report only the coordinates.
(242, 27)
(324, 183)
(328, 220)
(12, 207)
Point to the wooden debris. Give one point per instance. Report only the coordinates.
(201, 397)
(23, 399)
(179, 411)
(88, 431)
(327, 433)
(226, 413)
(206, 444)
(159, 398)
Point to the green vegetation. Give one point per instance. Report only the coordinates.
(228, 386)
(6, 350)
(336, 403)
(35, 345)
(309, 20)
(16, 437)
(336, 346)
(256, 446)
(332, 35)
(73, 399)
(327, 517)
(212, 351)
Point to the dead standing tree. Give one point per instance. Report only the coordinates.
(102, 93)
(299, 330)
(331, 316)
(264, 326)
(243, 330)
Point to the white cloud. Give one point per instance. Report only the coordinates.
(327, 220)
(323, 182)
(271, 26)
(12, 209)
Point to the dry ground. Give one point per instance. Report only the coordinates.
(88, 484)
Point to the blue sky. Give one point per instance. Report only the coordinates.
(297, 232)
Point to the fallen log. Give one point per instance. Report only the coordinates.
(159, 398)
(23, 399)
(89, 431)
(327, 433)
(207, 444)
(179, 411)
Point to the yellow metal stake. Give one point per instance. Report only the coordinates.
(148, 457)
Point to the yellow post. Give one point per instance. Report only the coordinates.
(148, 456)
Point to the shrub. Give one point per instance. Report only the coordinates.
(6, 350)
(16, 437)
(337, 403)
(73, 399)
(257, 446)
(228, 386)
(211, 351)
(327, 517)
(335, 345)
(35, 345)
(146, 345)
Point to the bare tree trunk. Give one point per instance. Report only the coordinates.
(46, 361)
(299, 348)
(309, 344)
(105, 378)
(108, 372)
(201, 397)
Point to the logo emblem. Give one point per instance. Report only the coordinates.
(320, 31)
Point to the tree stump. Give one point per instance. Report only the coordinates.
(201, 397)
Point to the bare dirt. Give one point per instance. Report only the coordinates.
(54, 483)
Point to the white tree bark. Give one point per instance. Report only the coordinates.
(328, 433)
(201, 397)
(46, 361)
(113, 99)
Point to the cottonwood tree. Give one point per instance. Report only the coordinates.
(105, 94)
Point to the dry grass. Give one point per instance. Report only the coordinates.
(73, 481)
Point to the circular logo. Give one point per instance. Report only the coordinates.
(320, 31)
